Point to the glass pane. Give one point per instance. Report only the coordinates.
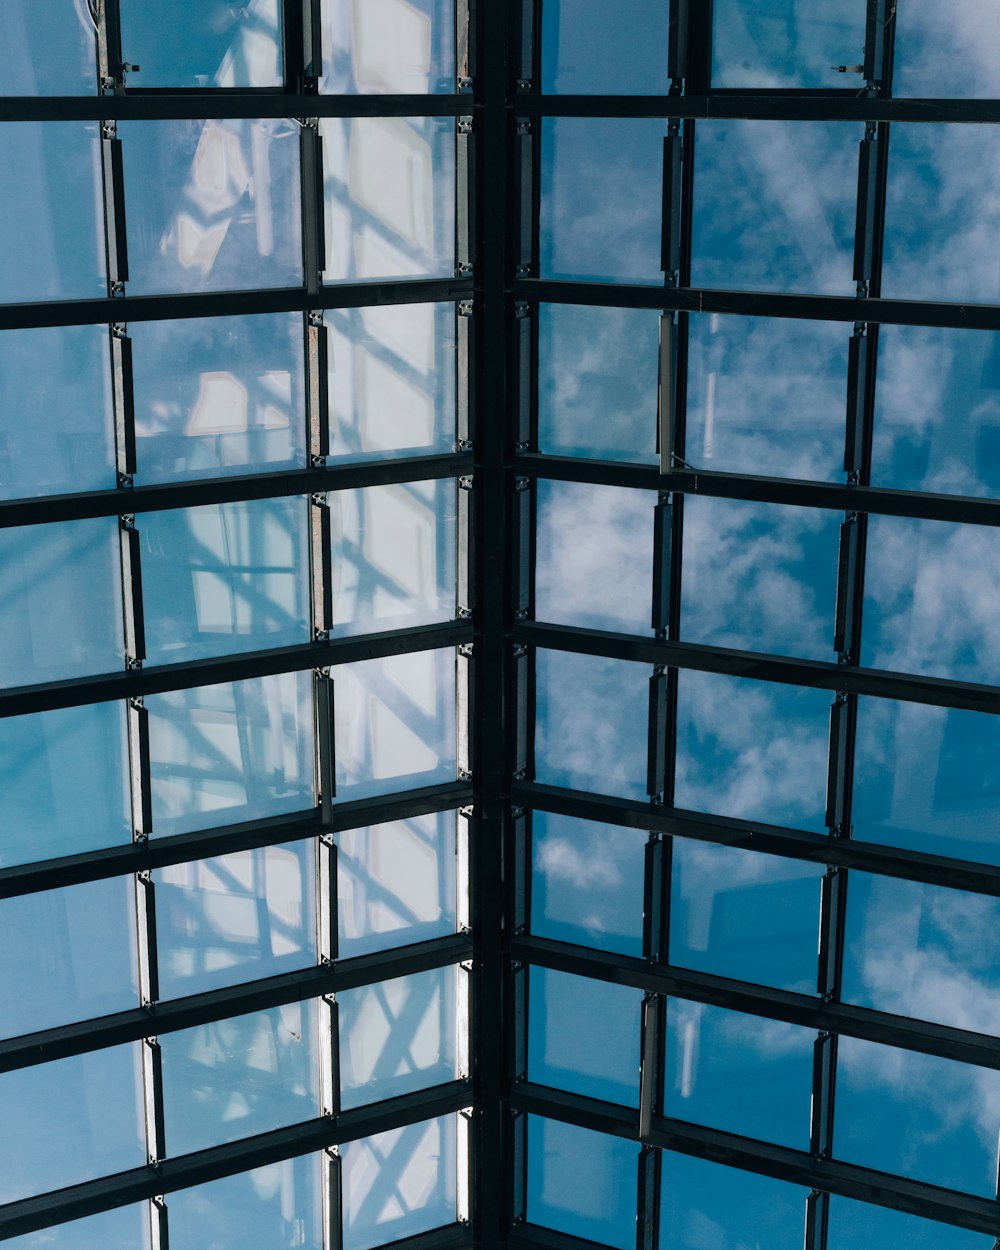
(592, 48)
(218, 395)
(229, 753)
(937, 410)
(50, 49)
(85, 1118)
(775, 206)
(392, 380)
(236, 918)
(946, 50)
(787, 43)
(917, 1115)
(43, 570)
(857, 1226)
(388, 46)
(739, 1073)
(760, 577)
(64, 783)
(587, 882)
(67, 955)
(212, 205)
(125, 1228)
(708, 1207)
(393, 550)
(597, 373)
(601, 196)
(752, 750)
(398, 1036)
(202, 43)
(942, 213)
(225, 578)
(581, 1182)
(396, 883)
(927, 778)
(591, 723)
(745, 915)
(395, 723)
(767, 396)
(583, 1036)
(390, 197)
(234, 1078)
(56, 432)
(929, 604)
(51, 242)
(400, 1183)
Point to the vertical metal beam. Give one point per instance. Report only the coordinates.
(648, 1224)
(333, 1200)
(666, 394)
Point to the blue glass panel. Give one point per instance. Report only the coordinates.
(708, 1207)
(376, 46)
(581, 1182)
(937, 410)
(601, 198)
(50, 48)
(64, 782)
(945, 50)
(583, 1035)
(740, 1073)
(929, 603)
(223, 754)
(125, 1228)
(60, 601)
(927, 778)
(766, 396)
(591, 723)
(857, 1226)
(794, 43)
(234, 1078)
(592, 48)
(236, 918)
(597, 371)
(594, 555)
(218, 395)
(587, 882)
(225, 578)
(752, 749)
(775, 206)
(760, 577)
(212, 205)
(745, 915)
(202, 43)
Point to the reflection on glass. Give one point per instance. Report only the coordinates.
(930, 599)
(239, 917)
(84, 1117)
(391, 380)
(239, 751)
(796, 43)
(601, 198)
(591, 723)
(745, 915)
(581, 1182)
(583, 1036)
(212, 205)
(937, 410)
(224, 578)
(707, 1207)
(51, 242)
(390, 197)
(775, 206)
(234, 1078)
(766, 396)
(587, 882)
(927, 778)
(388, 46)
(396, 883)
(400, 1183)
(592, 48)
(63, 782)
(44, 568)
(946, 50)
(202, 43)
(124, 1228)
(858, 1226)
(739, 1073)
(50, 48)
(597, 371)
(218, 395)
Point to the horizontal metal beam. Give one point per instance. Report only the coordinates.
(447, 1237)
(816, 674)
(536, 1237)
(839, 497)
(139, 682)
(142, 1183)
(148, 105)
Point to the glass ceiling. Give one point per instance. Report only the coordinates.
(516, 485)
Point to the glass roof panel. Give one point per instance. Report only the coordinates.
(592, 48)
(858, 1226)
(705, 1206)
(786, 43)
(50, 48)
(124, 1228)
(379, 46)
(202, 43)
(946, 50)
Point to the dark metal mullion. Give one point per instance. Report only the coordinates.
(293, 45)
(110, 67)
